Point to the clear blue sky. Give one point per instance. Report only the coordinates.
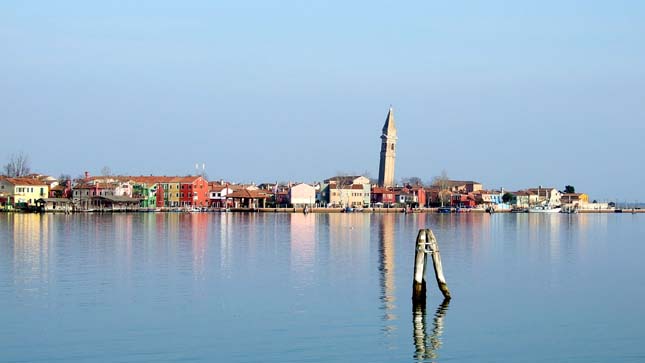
(511, 93)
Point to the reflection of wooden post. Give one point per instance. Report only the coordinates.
(436, 261)
(419, 281)
(419, 334)
(427, 346)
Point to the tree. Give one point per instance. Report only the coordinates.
(412, 180)
(368, 175)
(569, 189)
(442, 182)
(507, 197)
(17, 166)
(106, 171)
(343, 183)
(64, 177)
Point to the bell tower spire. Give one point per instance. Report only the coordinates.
(388, 151)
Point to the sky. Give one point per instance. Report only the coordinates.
(512, 94)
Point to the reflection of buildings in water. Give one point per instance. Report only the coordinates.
(198, 225)
(303, 246)
(462, 233)
(386, 268)
(225, 243)
(345, 247)
(31, 238)
(543, 234)
(470, 229)
(173, 227)
(426, 346)
(123, 233)
(349, 237)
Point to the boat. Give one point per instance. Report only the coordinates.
(544, 209)
(519, 210)
(569, 210)
(444, 210)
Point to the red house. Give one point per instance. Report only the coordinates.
(462, 200)
(420, 195)
(383, 195)
(159, 196)
(193, 191)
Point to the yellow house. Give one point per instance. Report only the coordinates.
(171, 190)
(574, 198)
(24, 191)
(349, 191)
(173, 193)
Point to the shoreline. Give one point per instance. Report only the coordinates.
(319, 210)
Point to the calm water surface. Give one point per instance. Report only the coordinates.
(319, 288)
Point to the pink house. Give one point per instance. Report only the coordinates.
(302, 195)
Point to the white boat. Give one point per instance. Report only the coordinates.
(544, 209)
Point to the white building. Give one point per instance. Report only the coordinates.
(302, 195)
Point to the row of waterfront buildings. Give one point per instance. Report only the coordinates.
(196, 193)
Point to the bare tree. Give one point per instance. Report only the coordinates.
(106, 171)
(368, 175)
(412, 180)
(343, 181)
(64, 177)
(18, 165)
(442, 182)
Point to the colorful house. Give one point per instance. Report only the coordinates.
(61, 190)
(347, 191)
(550, 196)
(460, 200)
(574, 198)
(383, 197)
(23, 192)
(193, 191)
(488, 198)
(302, 195)
(170, 191)
(459, 186)
(218, 195)
(145, 189)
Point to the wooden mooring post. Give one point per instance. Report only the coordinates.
(420, 259)
(427, 244)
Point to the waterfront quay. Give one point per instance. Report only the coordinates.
(42, 193)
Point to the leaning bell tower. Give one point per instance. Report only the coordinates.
(388, 152)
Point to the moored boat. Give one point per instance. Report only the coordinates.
(544, 209)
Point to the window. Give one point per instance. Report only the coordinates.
(182, 194)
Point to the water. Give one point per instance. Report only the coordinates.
(319, 288)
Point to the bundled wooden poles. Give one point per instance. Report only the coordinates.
(427, 244)
(420, 259)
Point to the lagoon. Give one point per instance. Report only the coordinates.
(255, 287)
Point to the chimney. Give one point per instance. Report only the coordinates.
(87, 175)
